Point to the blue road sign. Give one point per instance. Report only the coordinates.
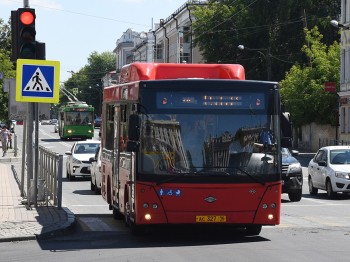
(37, 81)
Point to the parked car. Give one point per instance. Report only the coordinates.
(96, 172)
(97, 122)
(78, 160)
(292, 175)
(56, 128)
(45, 122)
(329, 170)
(53, 121)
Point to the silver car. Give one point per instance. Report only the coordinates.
(95, 183)
(329, 170)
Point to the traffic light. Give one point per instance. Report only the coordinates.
(23, 34)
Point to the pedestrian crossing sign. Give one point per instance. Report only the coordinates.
(37, 81)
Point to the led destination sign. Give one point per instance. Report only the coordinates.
(202, 100)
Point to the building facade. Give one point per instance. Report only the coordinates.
(344, 93)
(169, 42)
(173, 37)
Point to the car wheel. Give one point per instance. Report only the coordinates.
(312, 190)
(97, 190)
(295, 196)
(253, 229)
(92, 186)
(330, 193)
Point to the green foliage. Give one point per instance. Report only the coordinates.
(88, 79)
(302, 89)
(6, 66)
(221, 26)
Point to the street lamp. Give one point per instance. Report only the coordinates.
(335, 23)
(266, 56)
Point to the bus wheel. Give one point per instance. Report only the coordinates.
(116, 214)
(253, 230)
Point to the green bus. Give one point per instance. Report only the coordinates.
(76, 120)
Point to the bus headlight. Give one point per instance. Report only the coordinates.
(69, 131)
(270, 216)
(148, 216)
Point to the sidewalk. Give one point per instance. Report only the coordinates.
(19, 222)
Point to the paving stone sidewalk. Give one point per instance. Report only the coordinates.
(17, 220)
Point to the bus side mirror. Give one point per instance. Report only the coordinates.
(134, 128)
(286, 130)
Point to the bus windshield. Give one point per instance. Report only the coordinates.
(79, 118)
(214, 143)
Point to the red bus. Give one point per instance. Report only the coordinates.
(192, 144)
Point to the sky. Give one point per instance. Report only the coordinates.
(73, 29)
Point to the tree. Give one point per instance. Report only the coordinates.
(273, 25)
(302, 89)
(6, 66)
(88, 79)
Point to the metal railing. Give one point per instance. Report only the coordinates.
(48, 181)
(332, 142)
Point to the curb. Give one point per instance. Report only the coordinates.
(67, 227)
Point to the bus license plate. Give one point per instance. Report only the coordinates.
(210, 219)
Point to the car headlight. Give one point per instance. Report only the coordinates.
(76, 161)
(294, 168)
(342, 175)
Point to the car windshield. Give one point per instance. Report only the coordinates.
(86, 148)
(340, 156)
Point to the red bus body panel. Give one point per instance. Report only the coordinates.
(240, 203)
(161, 71)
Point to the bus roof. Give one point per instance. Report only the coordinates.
(153, 71)
(78, 104)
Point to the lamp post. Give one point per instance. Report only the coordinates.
(335, 23)
(266, 56)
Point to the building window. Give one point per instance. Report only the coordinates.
(342, 120)
(348, 118)
(342, 75)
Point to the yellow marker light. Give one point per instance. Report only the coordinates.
(148, 217)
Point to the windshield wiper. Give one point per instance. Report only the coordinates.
(249, 175)
(214, 172)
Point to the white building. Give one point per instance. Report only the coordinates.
(173, 37)
(124, 47)
(344, 94)
(170, 41)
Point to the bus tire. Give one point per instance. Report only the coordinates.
(252, 230)
(116, 214)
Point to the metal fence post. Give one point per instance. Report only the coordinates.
(59, 187)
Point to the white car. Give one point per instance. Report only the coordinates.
(78, 160)
(96, 172)
(55, 129)
(329, 170)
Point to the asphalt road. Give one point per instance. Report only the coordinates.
(314, 229)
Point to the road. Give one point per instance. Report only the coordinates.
(314, 229)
